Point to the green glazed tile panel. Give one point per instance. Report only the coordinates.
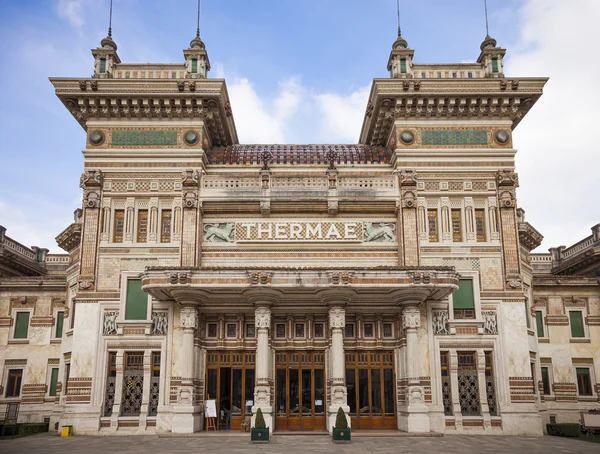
(454, 137)
(144, 137)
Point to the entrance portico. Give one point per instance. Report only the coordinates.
(303, 311)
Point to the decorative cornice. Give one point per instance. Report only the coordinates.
(204, 99)
(392, 99)
(69, 238)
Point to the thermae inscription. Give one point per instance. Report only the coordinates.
(300, 231)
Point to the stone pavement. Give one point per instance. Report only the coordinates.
(292, 444)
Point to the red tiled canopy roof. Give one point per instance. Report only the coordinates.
(298, 154)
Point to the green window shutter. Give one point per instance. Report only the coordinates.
(582, 371)
(60, 318)
(403, 65)
(53, 381)
(463, 298)
(102, 64)
(576, 318)
(494, 65)
(136, 304)
(22, 325)
(194, 65)
(539, 322)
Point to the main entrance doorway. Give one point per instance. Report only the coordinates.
(230, 381)
(370, 384)
(300, 396)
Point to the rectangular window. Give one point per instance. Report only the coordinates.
(136, 304)
(22, 325)
(119, 226)
(142, 226)
(231, 330)
(539, 323)
(576, 319)
(387, 330)
(194, 65)
(250, 330)
(545, 381)
(368, 329)
(584, 384)
(299, 329)
(463, 300)
(480, 225)
(156, 364)
(456, 226)
(494, 65)
(403, 65)
(53, 381)
(318, 330)
(102, 64)
(165, 226)
(454, 75)
(470, 75)
(432, 223)
(212, 330)
(280, 330)
(349, 330)
(13, 384)
(60, 319)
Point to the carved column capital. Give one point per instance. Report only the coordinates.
(262, 317)
(337, 317)
(188, 317)
(411, 317)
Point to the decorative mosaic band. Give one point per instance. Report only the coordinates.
(566, 392)
(521, 389)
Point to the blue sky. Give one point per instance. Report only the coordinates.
(298, 71)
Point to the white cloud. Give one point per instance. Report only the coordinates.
(72, 12)
(558, 161)
(342, 116)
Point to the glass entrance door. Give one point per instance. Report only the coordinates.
(230, 381)
(300, 391)
(370, 385)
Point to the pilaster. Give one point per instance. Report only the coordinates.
(91, 183)
(191, 221)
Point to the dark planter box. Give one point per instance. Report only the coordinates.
(259, 435)
(342, 435)
(564, 430)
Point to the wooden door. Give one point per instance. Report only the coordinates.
(300, 391)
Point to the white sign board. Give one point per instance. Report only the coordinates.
(211, 409)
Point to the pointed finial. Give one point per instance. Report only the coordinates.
(487, 29)
(398, 10)
(198, 22)
(110, 21)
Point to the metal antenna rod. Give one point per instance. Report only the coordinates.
(198, 22)
(110, 21)
(398, 10)
(487, 31)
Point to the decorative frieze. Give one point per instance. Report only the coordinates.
(440, 322)
(110, 323)
(490, 322)
(160, 323)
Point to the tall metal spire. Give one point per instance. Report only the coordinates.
(398, 10)
(198, 22)
(487, 29)
(110, 21)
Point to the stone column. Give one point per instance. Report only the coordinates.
(455, 396)
(485, 408)
(187, 412)
(146, 388)
(118, 389)
(339, 393)
(262, 387)
(413, 414)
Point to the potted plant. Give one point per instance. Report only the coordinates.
(259, 433)
(341, 431)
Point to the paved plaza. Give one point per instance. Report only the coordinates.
(291, 444)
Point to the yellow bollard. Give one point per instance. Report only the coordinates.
(67, 431)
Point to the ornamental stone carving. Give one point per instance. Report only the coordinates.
(262, 317)
(190, 178)
(190, 200)
(160, 323)
(188, 318)
(440, 322)
(337, 318)
(380, 232)
(91, 199)
(411, 318)
(490, 322)
(110, 323)
(185, 395)
(219, 233)
(90, 179)
(416, 396)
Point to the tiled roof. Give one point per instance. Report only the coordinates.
(298, 154)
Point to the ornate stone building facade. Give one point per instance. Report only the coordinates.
(391, 278)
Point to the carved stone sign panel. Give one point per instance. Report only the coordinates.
(300, 231)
